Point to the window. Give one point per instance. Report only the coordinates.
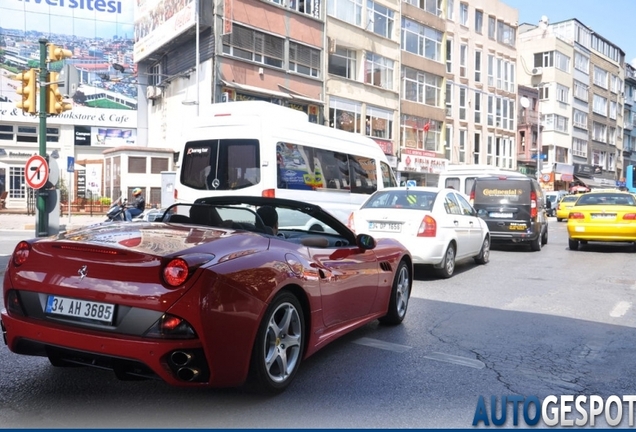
(136, 165)
(380, 19)
(544, 92)
(612, 110)
(233, 163)
(415, 134)
(450, 9)
(449, 99)
(255, 46)
(463, 14)
(478, 66)
(579, 147)
(491, 110)
(378, 71)
(304, 60)
(492, 27)
(421, 87)
(346, 10)
(599, 132)
(154, 74)
(600, 77)
(562, 62)
(433, 7)
(580, 91)
(421, 40)
(491, 70)
(449, 55)
(379, 123)
(158, 164)
(544, 59)
(562, 93)
(581, 62)
(499, 73)
(616, 84)
(505, 34)
(477, 107)
(343, 63)
(462, 145)
(611, 136)
(462, 103)
(580, 119)
(599, 105)
(308, 7)
(476, 143)
(463, 58)
(345, 115)
(448, 143)
(479, 21)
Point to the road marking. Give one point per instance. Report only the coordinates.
(620, 309)
(462, 361)
(376, 343)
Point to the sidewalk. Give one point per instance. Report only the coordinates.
(24, 222)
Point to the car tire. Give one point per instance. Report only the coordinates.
(484, 253)
(400, 294)
(536, 244)
(280, 344)
(448, 263)
(559, 219)
(573, 244)
(544, 238)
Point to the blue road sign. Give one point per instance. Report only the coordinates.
(411, 183)
(70, 164)
(543, 156)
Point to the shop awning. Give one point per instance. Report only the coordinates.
(595, 183)
(254, 89)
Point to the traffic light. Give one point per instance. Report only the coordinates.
(28, 90)
(56, 53)
(54, 101)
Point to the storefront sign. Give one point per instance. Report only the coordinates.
(422, 164)
(82, 135)
(81, 184)
(385, 145)
(583, 170)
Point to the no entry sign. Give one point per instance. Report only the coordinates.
(36, 172)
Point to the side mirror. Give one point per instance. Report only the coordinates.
(365, 241)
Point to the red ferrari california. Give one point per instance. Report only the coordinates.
(220, 292)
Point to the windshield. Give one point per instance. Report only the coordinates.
(409, 199)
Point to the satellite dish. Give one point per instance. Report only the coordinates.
(118, 67)
(525, 102)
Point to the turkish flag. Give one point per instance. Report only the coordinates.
(427, 126)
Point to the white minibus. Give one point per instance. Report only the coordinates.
(462, 177)
(264, 149)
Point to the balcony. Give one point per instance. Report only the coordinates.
(527, 118)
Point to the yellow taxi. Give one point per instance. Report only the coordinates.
(563, 206)
(602, 216)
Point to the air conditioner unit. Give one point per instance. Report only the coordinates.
(536, 71)
(153, 92)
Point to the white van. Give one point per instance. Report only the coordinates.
(259, 148)
(462, 177)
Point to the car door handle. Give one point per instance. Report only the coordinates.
(456, 222)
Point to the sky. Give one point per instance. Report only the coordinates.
(612, 19)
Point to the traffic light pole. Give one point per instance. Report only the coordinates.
(43, 216)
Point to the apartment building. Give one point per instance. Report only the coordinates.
(579, 79)
(629, 123)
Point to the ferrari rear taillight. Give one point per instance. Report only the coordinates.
(175, 272)
(428, 227)
(171, 327)
(629, 216)
(350, 223)
(14, 306)
(21, 253)
(576, 215)
(533, 204)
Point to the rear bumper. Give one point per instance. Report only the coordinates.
(509, 237)
(126, 356)
(424, 250)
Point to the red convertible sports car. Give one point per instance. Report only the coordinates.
(211, 295)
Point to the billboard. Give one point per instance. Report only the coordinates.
(100, 36)
(105, 137)
(159, 21)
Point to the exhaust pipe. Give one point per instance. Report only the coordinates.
(187, 374)
(181, 358)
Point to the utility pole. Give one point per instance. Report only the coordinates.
(43, 215)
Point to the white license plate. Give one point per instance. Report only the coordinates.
(501, 215)
(603, 216)
(385, 226)
(84, 309)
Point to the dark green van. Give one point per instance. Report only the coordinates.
(514, 209)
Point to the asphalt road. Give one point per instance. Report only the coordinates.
(528, 323)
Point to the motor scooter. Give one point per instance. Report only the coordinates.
(117, 211)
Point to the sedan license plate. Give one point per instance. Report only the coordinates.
(385, 226)
(603, 215)
(84, 309)
(501, 215)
